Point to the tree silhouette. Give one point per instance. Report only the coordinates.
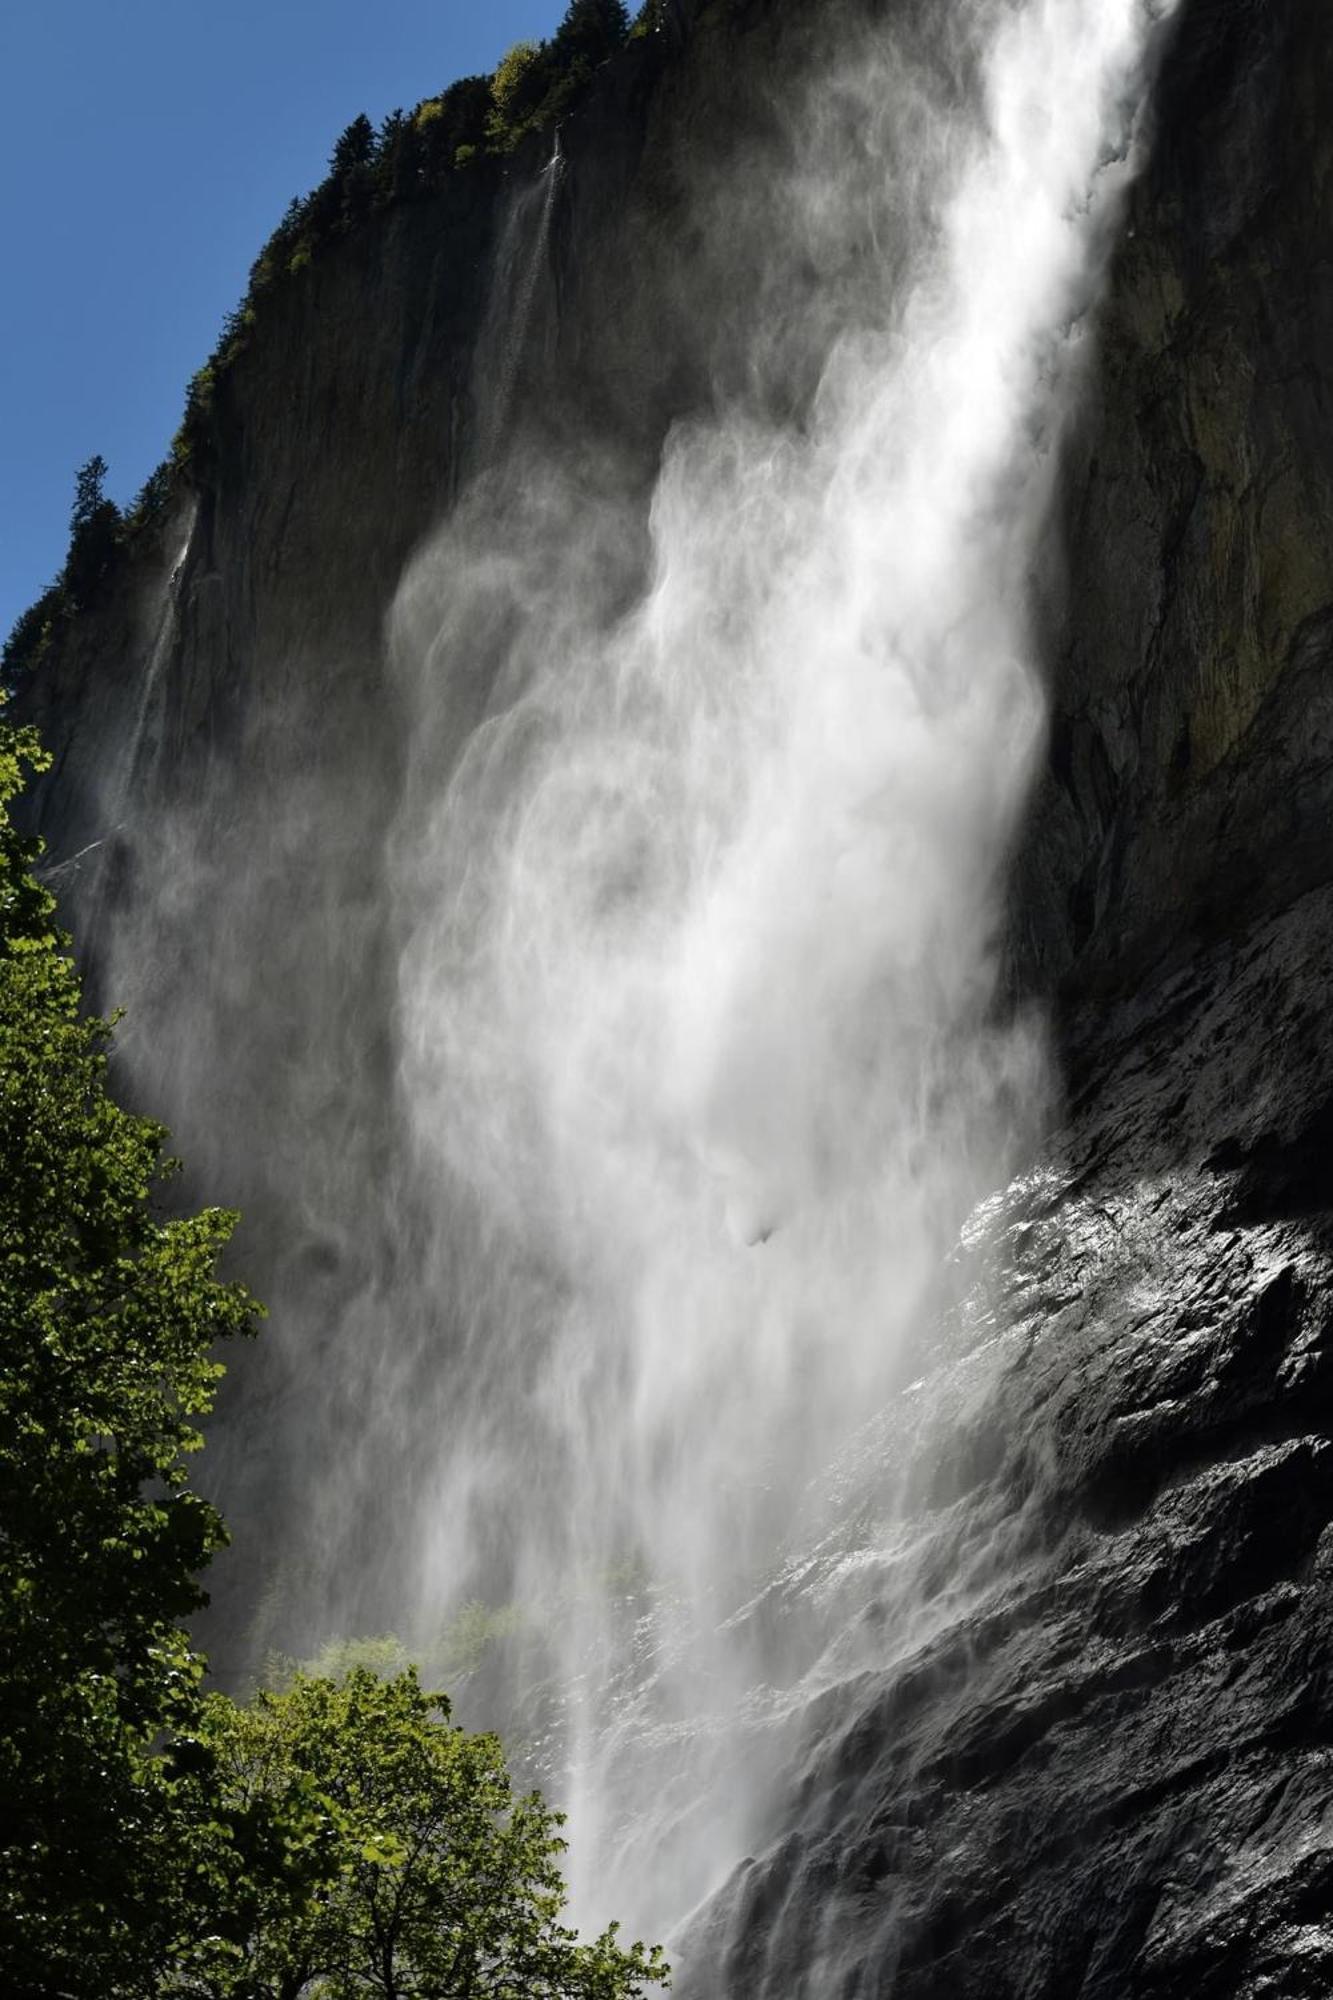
(94, 533)
(591, 31)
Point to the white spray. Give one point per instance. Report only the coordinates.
(698, 1003)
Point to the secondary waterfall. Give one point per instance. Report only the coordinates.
(519, 261)
(701, 1052)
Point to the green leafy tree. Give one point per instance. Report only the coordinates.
(458, 117)
(375, 1849)
(537, 82)
(519, 89)
(338, 1838)
(110, 1315)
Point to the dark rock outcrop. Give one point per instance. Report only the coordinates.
(1189, 767)
(1075, 1732)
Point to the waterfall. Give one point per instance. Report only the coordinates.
(132, 782)
(702, 1054)
(126, 781)
(606, 1135)
(520, 258)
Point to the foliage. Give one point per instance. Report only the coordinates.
(98, 533)
(591, 31)
(446, 125)
(338, 1837)
(347, 194)
(367, 1846)
(383, 1653)
(34, 630)
(110, 1316)
(89, 499)
(651, 19)
(94, 531)
(537, 82)
(519, 89)
(97, 530)
(151, 499)
(192, 438)
(472, 1632)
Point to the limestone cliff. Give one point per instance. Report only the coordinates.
(1096, 1762)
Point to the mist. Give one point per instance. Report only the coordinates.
(704, 1050)
(604, 1024)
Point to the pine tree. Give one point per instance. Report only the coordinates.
(591, 31)
(94, 532)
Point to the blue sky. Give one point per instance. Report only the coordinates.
(147, 149)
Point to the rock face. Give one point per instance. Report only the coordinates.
(1057, 1707)
(1189, 755)
(1074, 1733)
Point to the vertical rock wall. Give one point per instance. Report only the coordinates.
(1094, 1758)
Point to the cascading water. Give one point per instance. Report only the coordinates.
(520, 259)
(701, 1051)
(125, 779)
(699, 1061)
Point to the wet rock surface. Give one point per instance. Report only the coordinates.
(1075, 1734)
